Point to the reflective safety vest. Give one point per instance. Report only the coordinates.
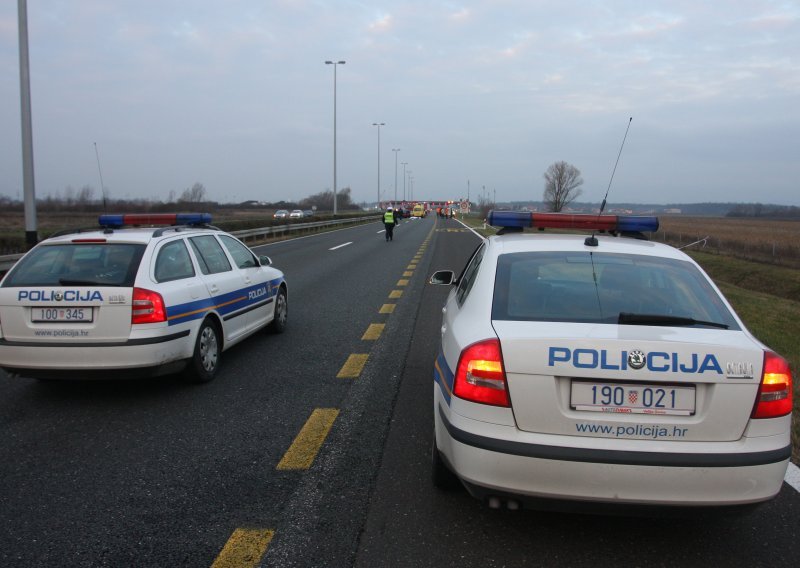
(388, 217)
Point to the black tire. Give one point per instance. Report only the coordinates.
(441, 475)
(278, 324)
(205, 361)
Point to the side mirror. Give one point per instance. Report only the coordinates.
(264, 260)
(443, 277)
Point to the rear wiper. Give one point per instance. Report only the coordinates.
(660, 319)
(77, 282)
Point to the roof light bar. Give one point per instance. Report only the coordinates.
(154, 219)
(587, 222)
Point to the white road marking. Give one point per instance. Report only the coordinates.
(381, 231)
(340, 246)
(793, 476)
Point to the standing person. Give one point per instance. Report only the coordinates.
(388, 222)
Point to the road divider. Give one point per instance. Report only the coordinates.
(309, 440)
(244, 548)
(353, 366)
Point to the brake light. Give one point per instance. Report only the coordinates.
(774, 397)
(148, 307)
(480, 375)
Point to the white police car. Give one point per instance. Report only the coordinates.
(605, 370)
(124, 300)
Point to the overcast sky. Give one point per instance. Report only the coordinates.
(485, 94)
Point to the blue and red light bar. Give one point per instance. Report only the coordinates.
(128, 219)
(587, 222)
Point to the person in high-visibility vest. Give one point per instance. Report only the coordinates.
(388, 222)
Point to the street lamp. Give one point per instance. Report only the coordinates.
(395, 150)
(404, 180)
(334, 63)
(379, 124)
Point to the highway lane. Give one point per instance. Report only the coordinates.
(157, 472)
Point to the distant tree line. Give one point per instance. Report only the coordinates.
(85, 199)
(761, 210)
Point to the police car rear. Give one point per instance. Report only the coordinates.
(127, 300)
(607, 370)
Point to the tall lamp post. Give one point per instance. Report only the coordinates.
(379, 124)
(334, 63)
(395, 150)
(404, 179)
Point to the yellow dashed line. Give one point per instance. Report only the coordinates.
(387, 308)
(394, 294)
(408, 273)
(402, 282)
(412, 266)
(373, 332)
(244, 548)
(353, 366)
(306, 445)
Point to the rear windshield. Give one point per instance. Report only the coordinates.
(596, 288)
(78, 264)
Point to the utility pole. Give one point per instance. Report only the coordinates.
(29, 193)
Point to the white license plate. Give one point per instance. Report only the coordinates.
(77, 315)
(626, 398)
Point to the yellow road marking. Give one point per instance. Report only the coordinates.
(402, 282)
(244, 548)
(373, 331)
(394, 294)
(387, 308)
(306, 445)
(412, 266)
(408, 273)
(353, 366)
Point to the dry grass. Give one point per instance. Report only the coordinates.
(762, 240)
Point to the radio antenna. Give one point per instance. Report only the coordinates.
(592, 241)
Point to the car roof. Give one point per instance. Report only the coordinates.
(128, 234)
(526, 242)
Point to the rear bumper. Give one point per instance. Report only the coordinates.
(142, 356)
(509, 463)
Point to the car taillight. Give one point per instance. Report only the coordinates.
(775, 392)
(480, 376)
(148, 307)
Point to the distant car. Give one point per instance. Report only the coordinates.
(602, 370)
(280, 214)
(129, 300)
(296, 214)
(418, 211)
(308, 213)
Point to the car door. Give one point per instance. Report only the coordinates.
(225, 284)
(256, 278)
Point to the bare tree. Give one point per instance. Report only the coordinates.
(194, 194)
(561, 185)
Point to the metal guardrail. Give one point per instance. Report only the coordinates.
(8, 260)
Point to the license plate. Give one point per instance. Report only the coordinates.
(63, 315)
(626, 398)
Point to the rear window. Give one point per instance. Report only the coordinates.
(78, 264)
(596, 288)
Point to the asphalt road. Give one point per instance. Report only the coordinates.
(162, 473)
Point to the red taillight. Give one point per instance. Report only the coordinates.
(480, 376)
(775, 392)
(148, 307)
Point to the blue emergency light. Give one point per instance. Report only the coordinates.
(587, 222)
(117, 221)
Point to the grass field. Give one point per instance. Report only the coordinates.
(765, 295)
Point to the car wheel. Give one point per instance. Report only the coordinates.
(441, 475)
(206, 359)
(278, 324)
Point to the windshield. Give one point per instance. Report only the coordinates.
(597, 288)
(73, 264)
